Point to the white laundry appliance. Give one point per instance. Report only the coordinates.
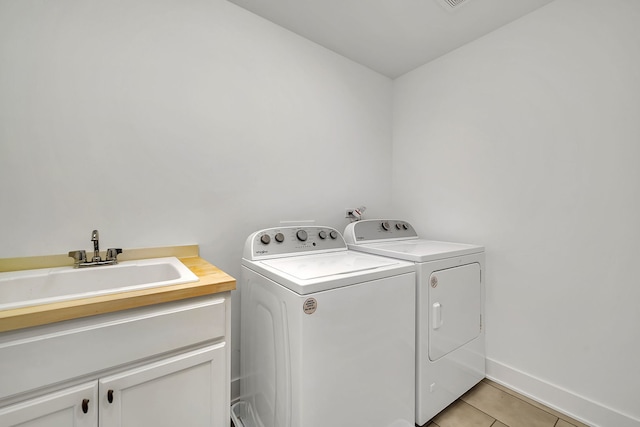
(327, 334)
(450, 341)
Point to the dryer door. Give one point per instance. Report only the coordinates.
(454, 308)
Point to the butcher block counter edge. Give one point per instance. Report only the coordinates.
(211, 280)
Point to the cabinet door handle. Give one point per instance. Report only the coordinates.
(110, 396)
(85, 405)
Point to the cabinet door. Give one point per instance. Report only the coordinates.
(71, 407)
(186, 390)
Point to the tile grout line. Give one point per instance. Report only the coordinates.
(477, 409)
(538, 405)
(480, 410)
(488, 415)
(516, 397)
(522, 400)
(559, 417)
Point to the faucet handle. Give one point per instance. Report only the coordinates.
(112, 254)
(78, 256)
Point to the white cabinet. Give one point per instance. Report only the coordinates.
(69, 407)
(186, 390)
(161, 366)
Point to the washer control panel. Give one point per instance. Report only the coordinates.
(287, 241)
(369, 230)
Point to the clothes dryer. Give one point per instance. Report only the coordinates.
(450, 341)
(327, 334)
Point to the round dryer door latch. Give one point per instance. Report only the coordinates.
(434, 281)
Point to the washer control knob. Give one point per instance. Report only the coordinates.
(398, 226)
(405, 227)
(322, 234)
(385, 226)
(301, 235)
(265, 239)
(279, 237)
(333, 234)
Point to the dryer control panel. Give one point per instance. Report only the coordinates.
(371, 230)
(289, 241)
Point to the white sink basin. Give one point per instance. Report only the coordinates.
(46, 285)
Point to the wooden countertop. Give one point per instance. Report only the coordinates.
(211, 280)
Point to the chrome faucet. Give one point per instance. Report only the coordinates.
(95, 237)
(80, 256)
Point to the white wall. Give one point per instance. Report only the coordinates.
(528, 141)
(164, 122)
(168, 122)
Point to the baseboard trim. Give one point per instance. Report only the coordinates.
(578, 407)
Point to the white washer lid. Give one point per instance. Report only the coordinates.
(418, 250)
(308, 274)
(324, 265)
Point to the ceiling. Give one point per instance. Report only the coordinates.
(391, 37)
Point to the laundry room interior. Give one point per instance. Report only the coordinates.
(181, 122)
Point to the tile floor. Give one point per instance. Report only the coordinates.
(489, 404)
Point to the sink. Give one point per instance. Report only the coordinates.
(47, 285)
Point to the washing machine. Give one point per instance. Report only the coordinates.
(450, 339)
(327, 334)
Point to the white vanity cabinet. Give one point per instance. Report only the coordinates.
(69, 407)
(185, 390)
(163, 365)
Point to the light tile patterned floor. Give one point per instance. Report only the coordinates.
(489, 404)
